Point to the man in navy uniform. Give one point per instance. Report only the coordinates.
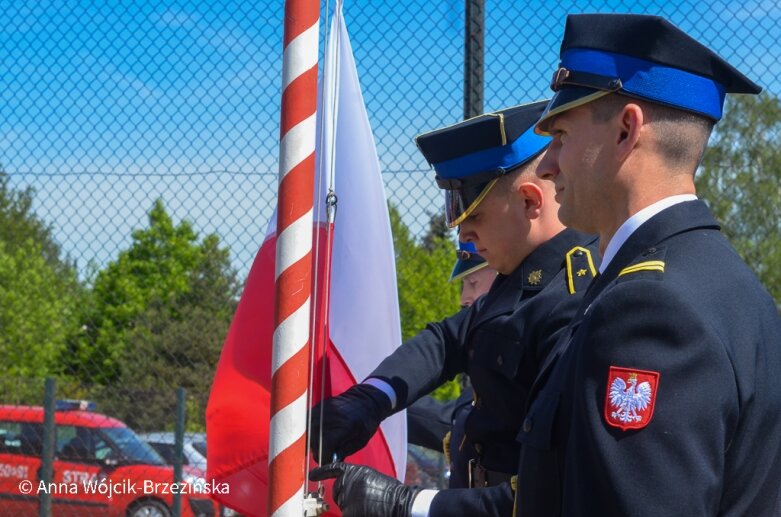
(428, 420)
(666, 398)
(440, 425)
(473, 272)
(487, 166)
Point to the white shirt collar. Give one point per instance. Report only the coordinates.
(634, 222)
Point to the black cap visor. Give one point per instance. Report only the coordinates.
(566, 99)
(460, 203)
(466, 267)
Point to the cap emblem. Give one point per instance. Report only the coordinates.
(559, 76)
(565, 77)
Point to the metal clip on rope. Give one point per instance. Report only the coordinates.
(314, 503)
(330, 205)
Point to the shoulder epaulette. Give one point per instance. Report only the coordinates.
(580, 269)
(649, 265)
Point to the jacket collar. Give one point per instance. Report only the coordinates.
(676, 219)
(532, 275)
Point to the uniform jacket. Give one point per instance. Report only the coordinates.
(500, 341)
(459, 449)
(428, 421)
(678, 309)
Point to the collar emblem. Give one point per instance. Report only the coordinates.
(535, 277)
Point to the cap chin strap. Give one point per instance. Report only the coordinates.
(471, 208)
(542, 125)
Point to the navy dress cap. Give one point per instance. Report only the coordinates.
(467, 262)
(468, 157)
(644, 57)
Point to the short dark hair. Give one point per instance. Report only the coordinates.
(681, 135)
(527, 170)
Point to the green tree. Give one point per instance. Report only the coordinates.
(37, 314)
(438, 232)
(423, 273)
(740, 178)
(153, 290)
(19, 223)
(176, 342)
(39, 291)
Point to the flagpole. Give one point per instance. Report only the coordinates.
(293, 271)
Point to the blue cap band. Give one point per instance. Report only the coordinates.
(468, 261)
(467, 246)
(652, 81)
(506, 156)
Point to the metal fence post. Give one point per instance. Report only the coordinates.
(47, 455)
(178, 449)
(474, 37)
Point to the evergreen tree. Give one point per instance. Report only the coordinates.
(167, 278)
(177, 343)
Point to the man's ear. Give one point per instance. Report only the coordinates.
(532, 198)
(629, 124)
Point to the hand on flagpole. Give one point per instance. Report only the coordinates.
(361, 491)
(348, 421)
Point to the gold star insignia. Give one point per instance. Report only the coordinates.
(535, 277)
(581, 272)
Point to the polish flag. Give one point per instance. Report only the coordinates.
(363, 326)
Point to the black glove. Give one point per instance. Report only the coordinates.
(361, 491)
(349, 421)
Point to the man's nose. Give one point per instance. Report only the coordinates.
(467, 296)
(548, 167)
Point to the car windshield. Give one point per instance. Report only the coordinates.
(132, 448)
(200, 447)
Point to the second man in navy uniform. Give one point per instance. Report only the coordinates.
(487, 168)
(476, 279)
(440, 425)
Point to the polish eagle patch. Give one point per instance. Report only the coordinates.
(630, 397)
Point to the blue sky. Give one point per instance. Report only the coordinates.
(105, 107)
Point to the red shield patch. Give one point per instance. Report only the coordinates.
(630, 397)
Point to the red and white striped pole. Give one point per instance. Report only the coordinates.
(290, 355)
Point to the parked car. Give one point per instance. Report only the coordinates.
(101, 467)
(194, 448)
(193, 454)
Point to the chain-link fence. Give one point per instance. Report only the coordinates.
(108, 108)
